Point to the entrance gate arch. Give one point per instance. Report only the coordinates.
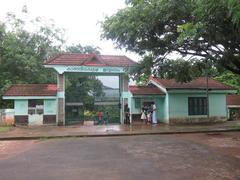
(91, 98)
(94, 65)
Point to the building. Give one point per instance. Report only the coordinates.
(176, 102)
(34, 104)
(181, 102)
(233, 104)
(42, 104)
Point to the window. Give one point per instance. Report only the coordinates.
(197, 106)
(137, 102)
(35, 106)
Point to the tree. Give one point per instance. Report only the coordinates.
(180, 69)
(83, 89)
(230, 79)
(83, 49)
(199, 28)
(22, 52)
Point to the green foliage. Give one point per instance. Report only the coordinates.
(83, 89)
(180, 69)
(200, 28)
(4, 128)
(234, 11)
(230, 79)
(90, 113)
(83, 49)
(142, 72)
(22, 52)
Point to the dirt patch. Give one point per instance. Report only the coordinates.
(11, 148)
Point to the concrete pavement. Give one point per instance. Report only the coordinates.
(38, 132)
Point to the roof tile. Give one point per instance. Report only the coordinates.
(32, 90)
(145, 90)
(77, 59)
(233, 100)
(199, 83)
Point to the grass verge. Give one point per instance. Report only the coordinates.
(4, 128)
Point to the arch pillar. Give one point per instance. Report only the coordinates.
(60, 99)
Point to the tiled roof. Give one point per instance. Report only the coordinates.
(233, 100)
(77, 59)
(145, 90)
(199, 83)
(32, 90)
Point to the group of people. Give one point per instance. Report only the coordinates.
(149, 114)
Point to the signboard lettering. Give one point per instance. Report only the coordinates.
(95, 69)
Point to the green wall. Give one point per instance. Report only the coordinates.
(166, 109)
(178, 104)
(175, 104)
(50, 107)
(159, 104)
(160, 109)
(142, 99)
(21, 107)
(218, 105)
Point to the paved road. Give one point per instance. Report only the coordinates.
(170, 157)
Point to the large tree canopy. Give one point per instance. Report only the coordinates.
(204, 28)
(22, 51)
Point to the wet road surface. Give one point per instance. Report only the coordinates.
(186, 156)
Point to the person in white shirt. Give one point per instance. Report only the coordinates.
(143, 115)
(154, 114)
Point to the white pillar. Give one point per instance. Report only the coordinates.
(124, 89)
(60, 99)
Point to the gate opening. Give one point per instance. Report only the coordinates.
(88, 97)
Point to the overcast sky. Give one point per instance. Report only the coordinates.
(80, 19)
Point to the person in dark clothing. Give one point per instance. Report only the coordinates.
(127, 114)
(106, 118)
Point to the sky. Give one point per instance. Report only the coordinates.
(79, 18)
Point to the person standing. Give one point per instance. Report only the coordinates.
(127, 114)
(100, 117)
(106, 118)
(154, 114)
(143, 115)
(149, 117)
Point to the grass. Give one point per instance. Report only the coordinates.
(4, 128)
